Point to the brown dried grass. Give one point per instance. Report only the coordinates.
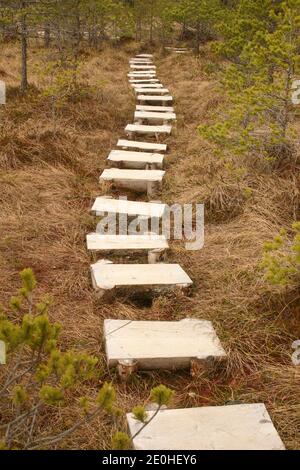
(48, 183)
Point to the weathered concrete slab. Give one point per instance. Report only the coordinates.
(152, 90)
(161, 344)
(235, 427)
(143, 67)
(130, 208)
(136, 160)
(163, 109)
(146, 146)
(142, 86)
(153, 116)
(144, 129)
(144, 55)
(143, 80)
(149, 181)
(2, 353)
(141, 61)
(161, 99)
(100, 242)
(107, 276)
(139, 73)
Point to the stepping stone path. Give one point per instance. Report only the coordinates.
(233, 427)
(148, 345)
(149, 210)
(132, 129)
(155, 245)
(150, 146)
(107, 276)
(141, 160)
(142, 181)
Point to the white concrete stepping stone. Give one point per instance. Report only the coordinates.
(107, 276)
(161, 99)
(139, 73)
(152, 116)
(152, 90)
(137, 160)
(143, 80)
(2, 353)
(144, 55)
(138, 86)
(161, 344)
(148, 146)
(151, 210)
(232, 427)
(143, 67)
(145, 107)
(132, 129)
(152, 243)
(149, 181)
(141, 61)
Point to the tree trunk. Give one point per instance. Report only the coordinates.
(24, 76)
(47, 36)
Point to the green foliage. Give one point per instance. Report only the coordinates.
(281, 260)
(161, 395)
(121, 441)
(37, 373)
(261, 39)
(140, 413)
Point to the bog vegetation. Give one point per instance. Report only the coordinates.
(237, 145)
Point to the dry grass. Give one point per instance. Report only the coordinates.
(48, 183)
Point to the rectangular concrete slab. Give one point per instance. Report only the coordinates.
(161, 344)
(106, 275)
(143, 80)
(137, 160)
(139, 86)
(143, 129)
(154, 98)
(152, 90)
(144, 55)
(115, 174)
(143, 67)
(2, 353)
(153, 116)
(163, 109)
(130, 208)
(99, 242)
(139, 73)
(148, 146)
(235, 427)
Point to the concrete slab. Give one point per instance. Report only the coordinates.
(153, 116)
(142, 86)
(146, 146)
(152, 90)
(163, 109)
(143, 67)
(144, 55)
(149, 181)
(235, 427)
(143, 80)
(161, 344)
(130, 208)
(2, 353)
(161, 99)
(131, 129)
(107, 276)
(145, 242)
(136, 160)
